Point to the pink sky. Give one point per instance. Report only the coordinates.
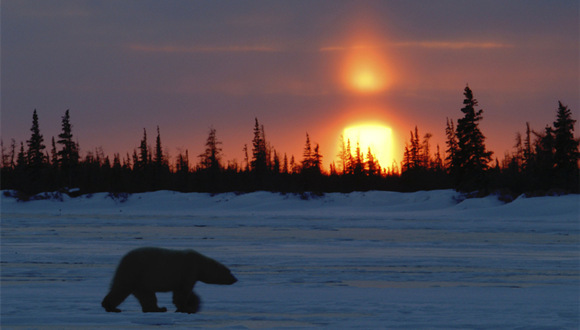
(186, 66)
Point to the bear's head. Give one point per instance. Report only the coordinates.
(212, 272)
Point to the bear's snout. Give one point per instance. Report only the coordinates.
(232, 279)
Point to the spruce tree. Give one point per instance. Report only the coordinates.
(211, 158)
(566, 147)
(415, 150)
(68, 155)
(372, 165)
(143, 158)
(528, 152)
(317, 159)
(35, 153)
(358, 160)
(307, 155)
(159, 159)
(285, 164)
(426, 151)
(53, 154)
(259, 161)
(452, 147)
(21, 159)
(471, 159)
(342, 154)
(544, 158)
(276, 163)
(350, 163)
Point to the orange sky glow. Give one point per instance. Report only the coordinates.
(299, 67)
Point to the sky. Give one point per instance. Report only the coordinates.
(300, 67)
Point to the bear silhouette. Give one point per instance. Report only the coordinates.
(145, 271)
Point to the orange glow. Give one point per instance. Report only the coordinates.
(365, 71)
(377, 137)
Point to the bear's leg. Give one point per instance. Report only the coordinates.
(186, 302)
(114, 299)
(148, 301)
(193, 302)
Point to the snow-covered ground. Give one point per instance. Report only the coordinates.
(359, 260)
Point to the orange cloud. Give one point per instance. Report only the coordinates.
(199, 49)
(457, 45)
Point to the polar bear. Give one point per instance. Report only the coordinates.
(145, 271)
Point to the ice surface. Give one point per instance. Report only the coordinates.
(358, 260)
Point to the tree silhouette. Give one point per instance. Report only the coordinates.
(528, 152)
(452, 147)
(540, 171)
(343, 155)
(566, 147)
(68, 155)
(35, 153)
(317, 159)
(372, 166)
(471, 159)
(307, 155)
(143, 157)
(211, 158)
(259, 163)
(548, 163)
(159, 158)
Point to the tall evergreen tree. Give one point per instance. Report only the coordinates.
(471, 159)
(259, 161)
(143, 158)
(211, 158)
(528, 152)
(452, 147)
(7, 159)
(317, 159)
(415, 150)
(285, 164)
(293, 166)
(372, 165)
(246, 159)
(35, 153)
(359, 167)
(342, 154)
(307, 155)
(544, 160)
(276, 163)
(53, 154)
(406, 158)
(182, 165)
(426, 151)
(566, 147)
(438, 162)
(21, 159)
(159, 159)
(68, 155)
(413, 157)
(350, 162)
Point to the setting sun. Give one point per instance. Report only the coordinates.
(366, 80)
(377, 137)
(365, 71)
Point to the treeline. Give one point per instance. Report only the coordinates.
(542, 162)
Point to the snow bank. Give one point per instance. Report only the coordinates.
(431, 204)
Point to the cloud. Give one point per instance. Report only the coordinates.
(453, 45)
(47, 9)
(200, 49)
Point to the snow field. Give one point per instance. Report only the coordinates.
(359, 260)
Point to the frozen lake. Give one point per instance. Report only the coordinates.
(359, 260)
